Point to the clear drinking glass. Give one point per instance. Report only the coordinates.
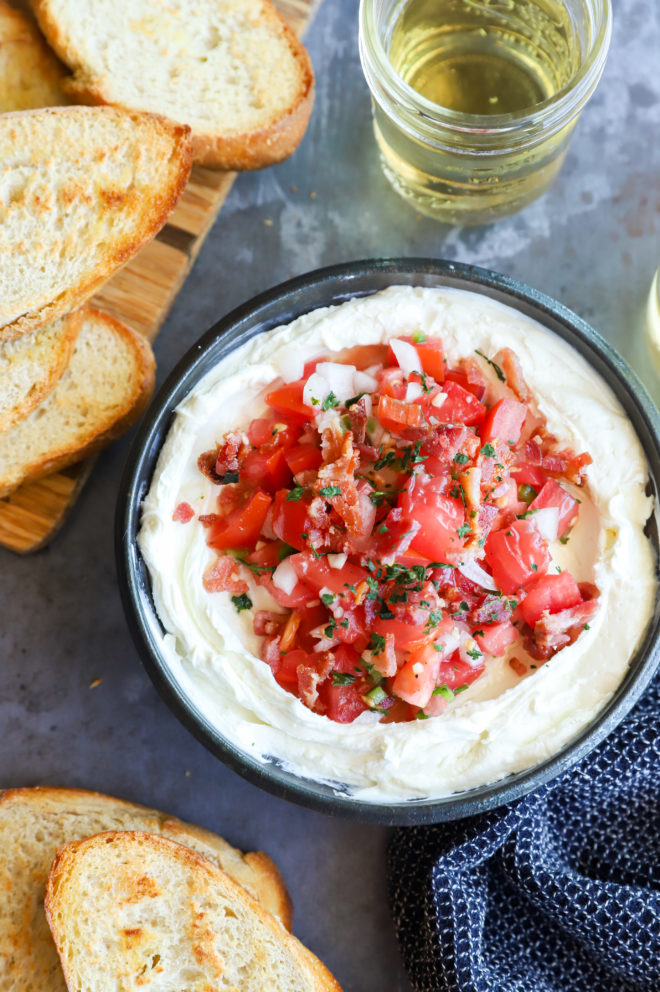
(474, 101)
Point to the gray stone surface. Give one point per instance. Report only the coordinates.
(592, 242)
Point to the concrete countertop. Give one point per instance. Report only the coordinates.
(593, 242)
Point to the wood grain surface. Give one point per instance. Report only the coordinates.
(141, 294)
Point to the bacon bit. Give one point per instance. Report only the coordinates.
(340, 464)
(183, 513)
(510, 365)
(206, 465)
(588, 591)
(270, 653)
(290, 631)
(555, 630)
(470, 480)
(223, 575)
(358, 417)
(518, 667)
(267, 623)
(232, 454)
(309, 679)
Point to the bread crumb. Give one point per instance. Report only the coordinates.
(95, 683)
(268, 223)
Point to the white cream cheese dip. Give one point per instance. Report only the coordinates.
(501, 724)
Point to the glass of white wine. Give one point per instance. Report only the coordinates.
(474, 101)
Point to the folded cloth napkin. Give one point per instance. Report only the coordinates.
(559, 892)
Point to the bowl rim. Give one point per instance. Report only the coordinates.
(280, 305)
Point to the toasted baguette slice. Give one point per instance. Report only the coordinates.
(30, 73)
(31, 366)
(132, 909)
(81, 190)
(231, 69)
(105, 387)
(34, 823)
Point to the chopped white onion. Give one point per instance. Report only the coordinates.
(473, 571)
(284, 577)
(413, 391)
(316, 388)
(438, 399)
(291, 364)
(368, 405)
(336, 561)
(406, 355)
(365, 383)
(340, 378)
(546, 521)
(450, 642)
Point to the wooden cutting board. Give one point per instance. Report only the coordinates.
(141, 294)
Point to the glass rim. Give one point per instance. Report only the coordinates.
(555, 111)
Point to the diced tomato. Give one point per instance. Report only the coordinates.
(396, 415)
(269, 470)
(495, 638)
(183, 513)
(554, 495)
(303, 458)
(504, 421)
(299, 596)
(470, 377)
(431, 354)
(242, 526)
(290, 520)
(552, 593)
(454, 672)
(415, 680)
(318, 574)
(363, 356)
(461, 406)
(440, 517)
(269, 433)
(288, 400)
(287, 670)
(224, 575)
(405, 634)
(344, 703)
(392, 382)
(516, 555)
(529, 475)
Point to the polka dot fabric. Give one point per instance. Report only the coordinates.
(559, 892)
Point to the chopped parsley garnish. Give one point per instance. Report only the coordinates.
(242, 602)
(421, 715)
(342, 678)
(460, 458)
(419, 337)
(498, 371)
(353, 400)
(464, 530)
(327, 598)
(435, 616)
(295, 494)
(586, 626)
(565, 539)
(474, 654)
(488, 450)
(285, 551)
(329, 631)
(376, 643)
(444, 691)
(329, 491)
(383, 529)
(534, 567)
(330, 402)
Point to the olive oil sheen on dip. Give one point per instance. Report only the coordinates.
(474, 102)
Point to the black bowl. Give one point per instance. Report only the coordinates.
(278, 306)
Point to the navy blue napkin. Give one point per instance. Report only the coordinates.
(559, 892)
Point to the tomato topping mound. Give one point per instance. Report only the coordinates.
(402, 513)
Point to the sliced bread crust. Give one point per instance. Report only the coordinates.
(128, 909)
(35, 822)
(81, 190)
(103, 390)
(32, 365)
(30, 73)
(231, 69)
